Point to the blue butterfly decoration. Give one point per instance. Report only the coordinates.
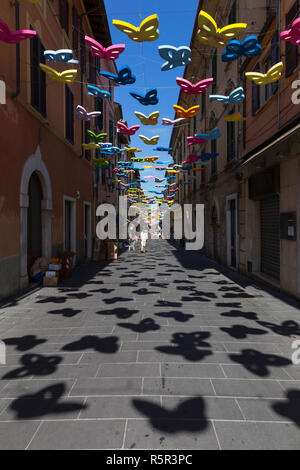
(214, 134)
(187, 167)
(163, 149)
(142, 181)
(248, 48)
(149, 98)
(124, 77)
(61, 55)
(120, 175)
(94, 91)
(125, 164)
(204, 157)
(170, 177)
(235, 96)
(175, 56)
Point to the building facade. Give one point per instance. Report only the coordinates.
(47, 181)
(242, 212)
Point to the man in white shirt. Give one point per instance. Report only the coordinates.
(144, 237)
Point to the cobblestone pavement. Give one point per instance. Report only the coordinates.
(166, 350)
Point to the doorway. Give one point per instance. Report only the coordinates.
(34, 221)
(87, 230)
(232, 230)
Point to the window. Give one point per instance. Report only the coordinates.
(99, 107)
(255, 94)
(75, 21)
(214, 71)
(230, 139)
(92, 70)
(203, 104)
(87, 126)
(111, 131)
(214, 160)
(232, 14)
(291, 51)
(64, 15)
(82, 52)
(38, 77)
(69, 115)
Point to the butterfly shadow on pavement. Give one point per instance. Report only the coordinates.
(188, 416)
(34, 364)
(43, 403)
(108, 344)
(24, 343)
(187, 345)
(148, 324)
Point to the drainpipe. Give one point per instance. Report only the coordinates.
(18, 72)
(278, 97)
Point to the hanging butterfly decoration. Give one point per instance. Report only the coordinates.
(96, 137)
(175, 56)
(234, 117)
(147, 31)
(123, 129)
(132, 149)
(13, 37)
(68, 76)
(292, 35)
(186, 113)
(124, 76)
(83, 115)
(150, 98)
(109, 53)
(192, 140)
(210, 34)
(100, 162)
(247, 48)
(90, 146)
(205, 156)
(170, 122)
(196, 89)
(61, 55)
(150, 120)
(95, 91)
(152, 141)
(163, 149)
(213, 135)
(272, 75)
(236, 96)
(150, 159)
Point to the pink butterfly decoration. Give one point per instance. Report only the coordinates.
(83, 115)
(292, 35)
(123, 129)
(108, 53)
(192, 140)
(13, 37)
(197, 89)
(192, 159)
(148, 177)
(169, 122)
(174, 190)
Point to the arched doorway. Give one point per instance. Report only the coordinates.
(35, 213)
(34, 222)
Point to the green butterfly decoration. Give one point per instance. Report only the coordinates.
(100, 162)
(137, 159)
(97, 137)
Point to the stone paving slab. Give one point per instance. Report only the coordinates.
(167, 350)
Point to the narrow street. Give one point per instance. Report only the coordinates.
(155, 351)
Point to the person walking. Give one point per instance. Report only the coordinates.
(144, 237)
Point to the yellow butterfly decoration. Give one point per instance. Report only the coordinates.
(146, 167)
(147, 31)
(152, 141)
(150, 120)
(68, 76)
(150, 159)
(186, 113)
(132, 149)
(90, 146)
(210, 34)
(234, 118)
(272, 75)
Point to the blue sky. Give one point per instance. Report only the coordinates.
(176, 22)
